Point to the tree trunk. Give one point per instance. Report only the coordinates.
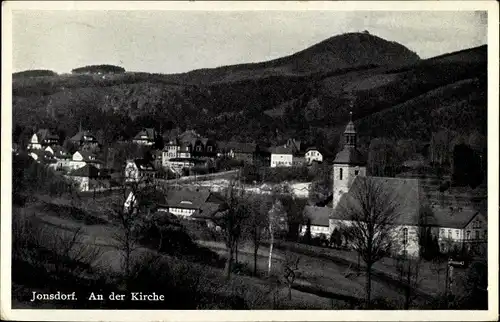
(229, 262)
(368, 285)
(236, 253)
(290, 291)
(407, 290)
(270, 255)
(255, 251)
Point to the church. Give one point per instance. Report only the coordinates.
(450, 224)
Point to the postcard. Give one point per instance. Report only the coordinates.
(249, 161)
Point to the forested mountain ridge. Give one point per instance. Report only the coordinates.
(391, 92)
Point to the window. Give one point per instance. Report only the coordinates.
(340, 174)
(356, 172)
(468, 234)
(442, 232)
(449, 233)
(198, 148)
(476, 234)
(209, 148)
(458, 234)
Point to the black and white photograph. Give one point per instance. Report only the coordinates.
(250, 157)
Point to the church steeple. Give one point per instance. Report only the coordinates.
(350, 135)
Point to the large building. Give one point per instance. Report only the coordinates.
(462, 226)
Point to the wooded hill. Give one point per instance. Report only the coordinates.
(391, 91)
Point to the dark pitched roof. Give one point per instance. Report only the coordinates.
(281, 150)
(319, 216)
(207, 210)
(78, 137)
(149, 133)
(454, 217)
(350, 155)
(404, 192)
(58, 151)
(185, 198)
(87, 170)
(144, 165)
(45, 134)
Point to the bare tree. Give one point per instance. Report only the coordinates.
(369, 210)
(128, 210)
(275, 215)
(257, 222)
(231, 221)
(290, 271)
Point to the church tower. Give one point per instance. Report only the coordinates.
(348, 164)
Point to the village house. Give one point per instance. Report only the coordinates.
(179, 164)
(81, 158)
(314, 154)
(139, 170)
(281, 156)
(60, 155)
(246, 152)
(200, 204)
(459, 227)
(146, 136)
(85, 140)
(42, 139)
(88, 178)
(287, 155)
(317, 220)
(43, 157)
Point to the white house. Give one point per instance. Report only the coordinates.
(313, 154)
(82, 158)
(138, 170)
(281, 156)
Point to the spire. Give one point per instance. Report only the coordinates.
(350, 133)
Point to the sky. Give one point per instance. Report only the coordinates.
(180, 41)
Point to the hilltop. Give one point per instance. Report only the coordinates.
(307, 95)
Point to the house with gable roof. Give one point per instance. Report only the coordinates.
(190, 204)
(85, 140)
(81, 158)
(137, 170)
(87, 178)
(147, 136)
(246, 152)
(42, 138)
(290, 154)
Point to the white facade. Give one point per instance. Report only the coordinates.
(316, 230)
(343, 176)
(181, 212)
(281, 160)
(170, 152)
(34, 143)
(314, 155)
(400, 234)
(131, 172)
